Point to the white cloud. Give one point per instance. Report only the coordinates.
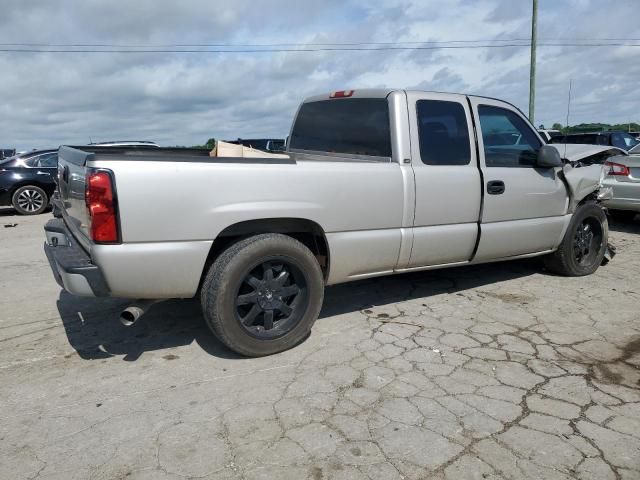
(49, 99)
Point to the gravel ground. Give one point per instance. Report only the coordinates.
(489, 372)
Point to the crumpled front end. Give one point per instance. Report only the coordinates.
(605, 193)
(585, 181)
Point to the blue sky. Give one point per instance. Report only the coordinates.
(54, 98)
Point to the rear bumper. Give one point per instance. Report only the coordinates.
(71, 265)
(626, 195)
(623, 204)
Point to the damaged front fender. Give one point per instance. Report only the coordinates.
(584, 181)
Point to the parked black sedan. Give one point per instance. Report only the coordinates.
(27, 181)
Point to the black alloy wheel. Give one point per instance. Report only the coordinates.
(584, 244)
(263, 294)
(271, 298)
(587, 241)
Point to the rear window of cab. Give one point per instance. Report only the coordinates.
(355, 126)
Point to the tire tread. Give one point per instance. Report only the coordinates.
(560, 261)
(214, 282)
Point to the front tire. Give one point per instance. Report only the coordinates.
(29, 200)
(263, 294)
(584, 243)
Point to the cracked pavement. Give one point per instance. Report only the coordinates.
(499, 371)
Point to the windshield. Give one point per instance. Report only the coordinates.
(629, 141)
(635, 149)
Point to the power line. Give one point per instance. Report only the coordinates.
(313, 49)
(258, 45)
(571, 41)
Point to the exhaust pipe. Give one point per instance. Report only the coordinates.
(132, 313)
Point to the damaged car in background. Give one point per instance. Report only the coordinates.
(621, 174)
(373, 182)
(623, 177)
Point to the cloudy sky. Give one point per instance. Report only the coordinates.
(184, 98)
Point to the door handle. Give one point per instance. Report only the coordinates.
(495, 187)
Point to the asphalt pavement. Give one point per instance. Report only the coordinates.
(501, 371)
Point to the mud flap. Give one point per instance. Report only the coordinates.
(609, 253)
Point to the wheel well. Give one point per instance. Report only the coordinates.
(305, 231)
(592, 197)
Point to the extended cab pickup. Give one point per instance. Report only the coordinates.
(376, 182)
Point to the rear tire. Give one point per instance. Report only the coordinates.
(29, 200)
(263, 294)
(584, 243)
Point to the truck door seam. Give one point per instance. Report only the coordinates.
(477, 146)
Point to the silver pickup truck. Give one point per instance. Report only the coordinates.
(376, 182)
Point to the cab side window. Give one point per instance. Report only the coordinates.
(508, 140)
(443, 133)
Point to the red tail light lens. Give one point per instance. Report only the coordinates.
(341, 94)
(617, 169)
(101, 205)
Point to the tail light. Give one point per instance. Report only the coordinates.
(341, 94)
(102, 207)
(617, 169)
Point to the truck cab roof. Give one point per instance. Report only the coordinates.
(383, 93)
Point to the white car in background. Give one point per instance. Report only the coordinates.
(126, 143)
(623, 176)
(547, 134)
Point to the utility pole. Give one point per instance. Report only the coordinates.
(532, 72)
(569, 102)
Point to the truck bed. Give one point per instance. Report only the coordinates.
(79, 155)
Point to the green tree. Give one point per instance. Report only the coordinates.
(556, 126)
(208, 145)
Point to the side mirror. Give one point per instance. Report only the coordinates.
(548, 157)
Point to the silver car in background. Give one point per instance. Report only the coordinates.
(622, 173)
(623, 176)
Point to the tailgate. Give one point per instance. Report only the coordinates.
(72, 169)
